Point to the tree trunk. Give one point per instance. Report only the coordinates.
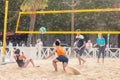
(32, 23)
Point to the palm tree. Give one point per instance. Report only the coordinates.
(33, 5)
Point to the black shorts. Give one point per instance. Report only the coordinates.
(62, 59)
(80, 52)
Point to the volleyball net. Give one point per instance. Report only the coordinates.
(65, 31)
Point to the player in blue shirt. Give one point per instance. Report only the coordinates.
(100, 41)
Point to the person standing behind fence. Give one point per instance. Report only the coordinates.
(100, 41)
(39, 46)
(80, 44)
(89, 46)
(11, 50)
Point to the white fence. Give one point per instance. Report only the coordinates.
(32, 52)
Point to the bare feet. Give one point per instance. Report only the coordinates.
(79, 63)
(84, 62)
(36, 66)
(55, 71)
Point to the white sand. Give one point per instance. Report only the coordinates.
(89, 71)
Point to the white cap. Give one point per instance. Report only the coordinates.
(80, 36)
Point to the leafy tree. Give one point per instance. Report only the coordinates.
(107, 21)
(14, 8)
(2, 7)
(102, 21)
(33, 5)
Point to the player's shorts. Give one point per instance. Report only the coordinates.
(62, 59)
(80, 52)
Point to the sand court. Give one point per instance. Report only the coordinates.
(89, 71)
(72, 70)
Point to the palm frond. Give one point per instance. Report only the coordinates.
(29, 5)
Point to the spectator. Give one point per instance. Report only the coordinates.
(88, 48)
(11, 50)
(39, 46)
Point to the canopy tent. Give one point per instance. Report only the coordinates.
(11, 34)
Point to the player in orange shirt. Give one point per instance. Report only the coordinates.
(61, 56)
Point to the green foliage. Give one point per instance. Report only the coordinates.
(2, 14)
(103, 21)
(30, 5)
